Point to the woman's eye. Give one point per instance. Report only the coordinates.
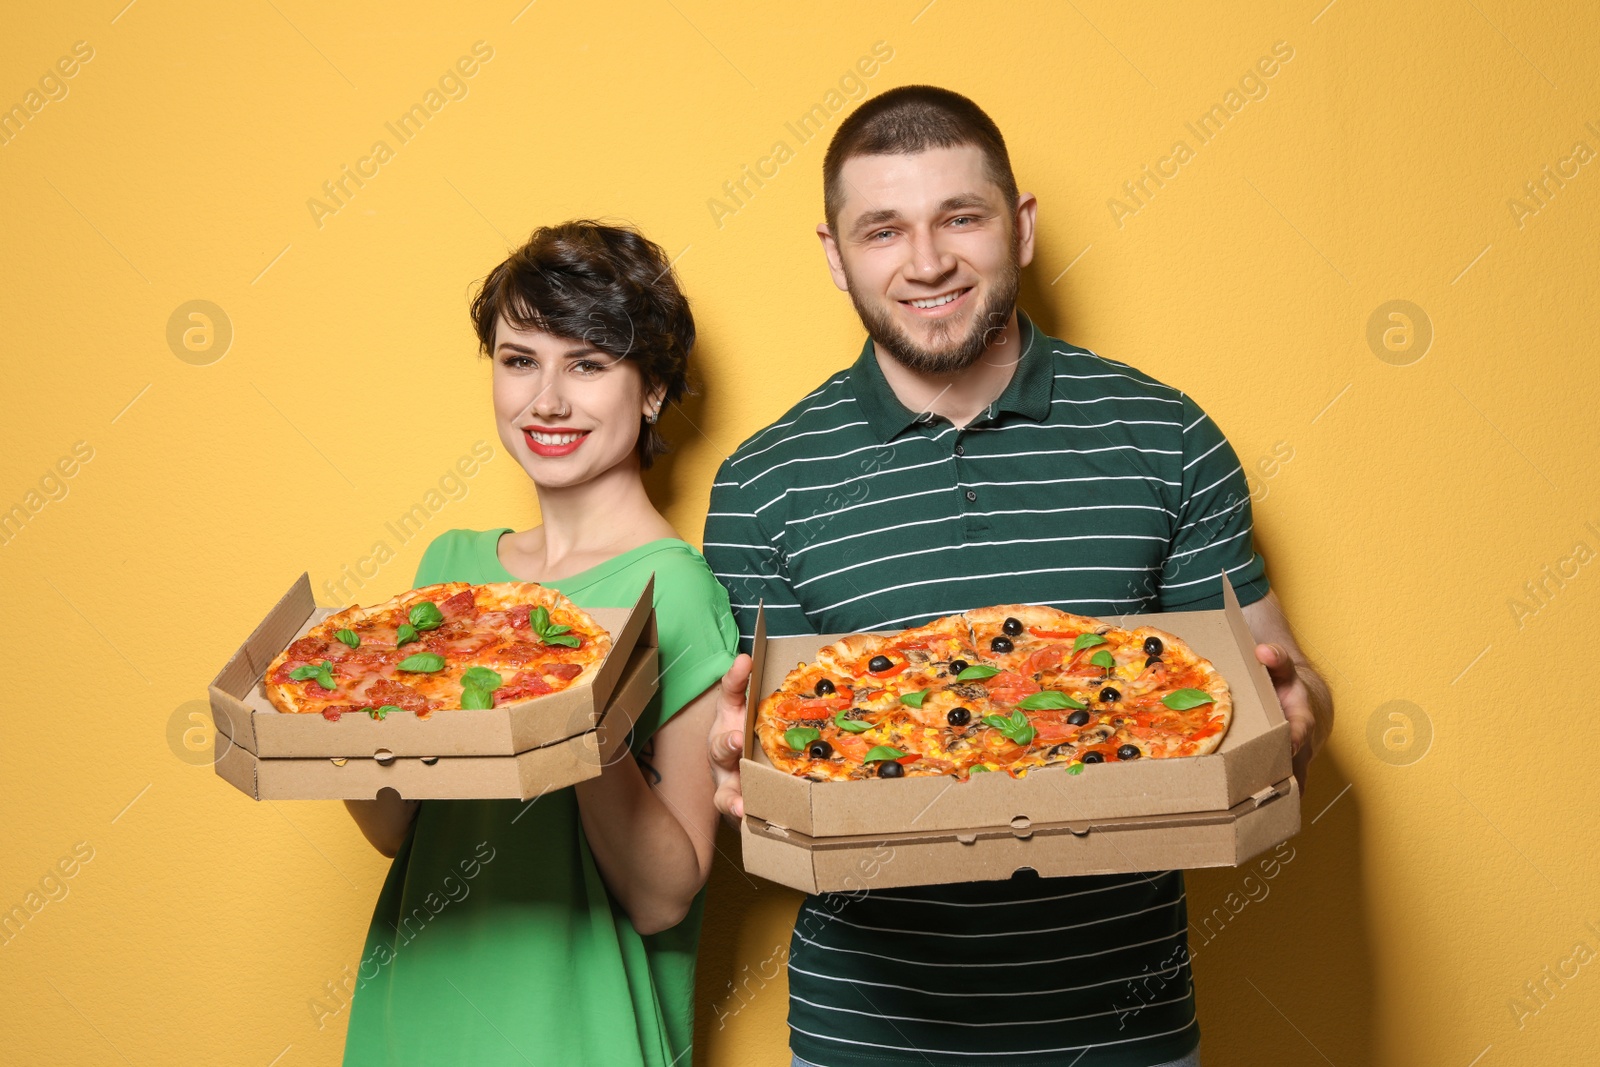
(586, 366)
(517, 361)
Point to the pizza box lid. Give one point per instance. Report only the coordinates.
(1254, 754)
(1127, 845)
(241, 710)
(524, 776)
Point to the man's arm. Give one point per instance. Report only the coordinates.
(749, 563)
(1307, 703)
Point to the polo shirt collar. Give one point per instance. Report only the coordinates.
(1027, 394)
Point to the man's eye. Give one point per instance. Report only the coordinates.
(881, 233)
(963, 218)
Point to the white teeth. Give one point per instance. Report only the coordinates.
(554, 438)
(935, 302)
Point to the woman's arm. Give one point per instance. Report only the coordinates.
(651, 823)
(385, 821)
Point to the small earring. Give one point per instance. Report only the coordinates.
(655, 413)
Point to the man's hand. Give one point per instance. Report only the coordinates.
(1307, 704)
(1296, 701)
(726, 741)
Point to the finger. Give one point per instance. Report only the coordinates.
(738, 676)
(1280, 667)
(726, 749)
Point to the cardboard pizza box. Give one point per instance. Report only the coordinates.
(523, 776)
(1089, 846)
(1254, 754)
(241, 710)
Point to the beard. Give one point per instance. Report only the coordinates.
(948, 351)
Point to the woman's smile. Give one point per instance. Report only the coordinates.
(553, 440)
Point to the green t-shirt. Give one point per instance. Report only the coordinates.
(494, 940)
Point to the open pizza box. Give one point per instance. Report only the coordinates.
(524, 776)
(1214, 810)
(243, 713)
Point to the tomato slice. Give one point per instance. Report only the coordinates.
(909, 759)
(891, 672)
(1053, 635)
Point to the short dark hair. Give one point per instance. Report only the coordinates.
(609, 286)
(908, 119)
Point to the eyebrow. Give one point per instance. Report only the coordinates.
(571, 353)
(873, 219)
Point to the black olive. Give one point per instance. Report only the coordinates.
(1000, 644)
(890, 769)
(1078, 718)
(819, 749)
(1093, 757)
(1151, 661)
(879, 663)
(1108, 694)
(1128, 752)
(958, 665)
(1012, 627)
(824, 687)
(959, 716)
(1152, 646)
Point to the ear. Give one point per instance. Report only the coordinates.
(830, 249)
(654, 399)
(1026, 216)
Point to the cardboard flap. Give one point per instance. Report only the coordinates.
(752, 689)
(270, 637)
(1247, 641)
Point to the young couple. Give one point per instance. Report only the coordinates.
(963, 459)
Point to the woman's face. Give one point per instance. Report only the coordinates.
(568, 411)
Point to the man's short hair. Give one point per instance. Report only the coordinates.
(908, 119)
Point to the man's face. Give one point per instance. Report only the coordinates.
(930, 254)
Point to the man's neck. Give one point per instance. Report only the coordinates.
(963, 395)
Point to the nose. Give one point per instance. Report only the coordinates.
(929, 262)
(547, 400)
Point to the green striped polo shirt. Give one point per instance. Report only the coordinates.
(1086, 485)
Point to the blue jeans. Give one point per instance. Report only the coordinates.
(1191, 1060)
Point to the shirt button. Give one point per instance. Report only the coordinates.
(972, 494)
(960, 450)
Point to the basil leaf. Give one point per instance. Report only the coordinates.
(976, 767)
(1184, 699)
(423, 662)
(1103, 659)
(1087, 641)
(551, 631)
(850, 726)
(882, 752)
(406, 633)
(1014, 726)
(1049, 700)
(564, 640)
(798, 737)
(977, 671)
(322, 672)
(481, 677)
(476, 698)
(539, 620)
(1076, 768)
(915, 699)
(349, 638)
(426, 616)
(379, 713)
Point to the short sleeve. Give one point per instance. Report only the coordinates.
(439, 560)
(748, 564)
(698, 637)
(1214, 525)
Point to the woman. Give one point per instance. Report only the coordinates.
(563, 930)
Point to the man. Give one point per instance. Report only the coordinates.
(967, 459)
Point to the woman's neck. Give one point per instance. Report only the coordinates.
(584, 525)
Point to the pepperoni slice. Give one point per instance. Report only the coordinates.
(462, 604)
(308, 648)
(388, 691)
(519, 653)
(519, 616)
(564, 671)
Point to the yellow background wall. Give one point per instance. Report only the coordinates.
(1447, 856)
